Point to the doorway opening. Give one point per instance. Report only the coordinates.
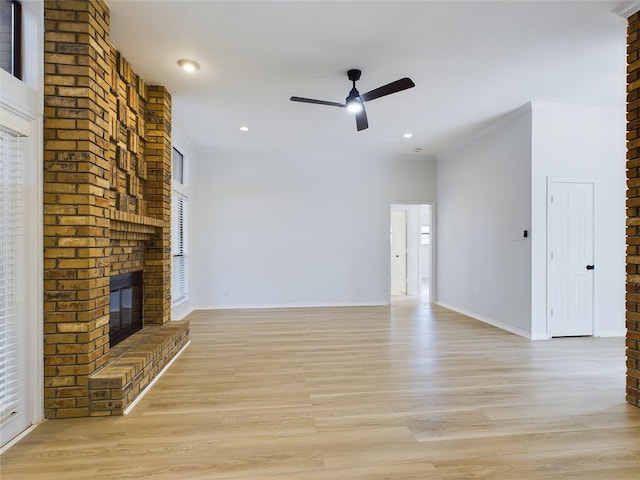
(412, 251)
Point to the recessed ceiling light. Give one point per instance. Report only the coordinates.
(244, 128)
(408, 135)
(188, 65)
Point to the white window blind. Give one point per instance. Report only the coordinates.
(178, 248)
(11, 244)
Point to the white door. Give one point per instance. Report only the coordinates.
(570, 259)
(398, 252)
(14, 416)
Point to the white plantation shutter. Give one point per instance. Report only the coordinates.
(178, 248)
(11, 245)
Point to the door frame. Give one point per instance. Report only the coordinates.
(413, 248)
(20, 105)
(582, 180)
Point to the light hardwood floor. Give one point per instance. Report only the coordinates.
(405, 392)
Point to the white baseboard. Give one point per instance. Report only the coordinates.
(181, 315)
(18, 437)
(181, 309)
(157, 377)
(611, 333)
(301, 305)
(489, 321)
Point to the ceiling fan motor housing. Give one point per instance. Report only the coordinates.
(354, 74)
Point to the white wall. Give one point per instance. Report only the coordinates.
(582, 142)
(484, 200)
(287, 229)
(489, 186)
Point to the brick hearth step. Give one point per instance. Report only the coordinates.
(132, 365)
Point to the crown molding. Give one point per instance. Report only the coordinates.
(504, 119)
(627, 8)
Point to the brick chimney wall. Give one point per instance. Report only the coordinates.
(633, 211)
(158, 253)
(107, 195)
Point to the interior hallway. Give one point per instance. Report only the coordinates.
(405, 392)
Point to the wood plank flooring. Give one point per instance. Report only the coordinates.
(410, 391)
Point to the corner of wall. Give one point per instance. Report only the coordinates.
(495, 125)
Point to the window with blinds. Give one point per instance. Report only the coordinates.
(11, 37)
(178, 248)
(11, 244)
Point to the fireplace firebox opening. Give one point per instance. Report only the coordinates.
(125, 305)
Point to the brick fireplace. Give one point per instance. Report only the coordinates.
(107, 212)
(633, 211)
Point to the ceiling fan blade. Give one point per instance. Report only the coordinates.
(317, 102)
(388, 89)
(361, 119)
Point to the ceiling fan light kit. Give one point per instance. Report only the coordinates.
(355, 102)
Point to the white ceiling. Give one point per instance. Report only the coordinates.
(471, 61)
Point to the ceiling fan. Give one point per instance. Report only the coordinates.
(355, 102)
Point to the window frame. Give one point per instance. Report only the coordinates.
(179, 247)
(177, 175)
(179, 191)
(21, 109)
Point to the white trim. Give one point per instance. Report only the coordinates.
(492, 322)
(23, 105)
(36, 256)
(15, 122)
(301, 305)
(579, 107)
(626, 9)
(180, 143)
(33, 45)
(180, 187)
(31, 260)
(176, 317)
(611, 333)
(181, 309)
(179, 250)
(17, 438)
(570, 180)
(157, 377)
(496, 124)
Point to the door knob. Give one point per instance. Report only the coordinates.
(590, 267)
